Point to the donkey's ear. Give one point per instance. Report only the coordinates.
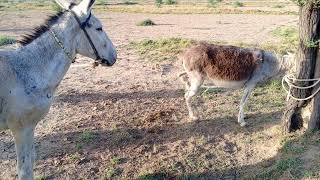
(86, 5)
(64, 4)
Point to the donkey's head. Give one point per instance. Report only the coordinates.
(92, 41)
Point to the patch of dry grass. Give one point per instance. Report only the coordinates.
(299, 158)
(146, 22)
(161, 49)
(168, 48)
(6, 40)
(191, 9)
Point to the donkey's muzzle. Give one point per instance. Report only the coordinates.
(108, 62)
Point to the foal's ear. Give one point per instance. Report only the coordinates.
(257, 55)
(64, 4)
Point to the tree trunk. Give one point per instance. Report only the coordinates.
(314, 122)
(306, 60)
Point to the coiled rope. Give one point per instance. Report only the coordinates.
(290, 80)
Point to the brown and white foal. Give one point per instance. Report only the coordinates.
(227, 67)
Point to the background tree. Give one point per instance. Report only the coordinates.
(306, 113)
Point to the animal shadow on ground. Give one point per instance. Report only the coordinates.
(156, 129)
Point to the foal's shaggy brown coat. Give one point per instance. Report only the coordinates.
(222, 62)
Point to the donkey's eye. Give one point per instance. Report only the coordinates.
(99, 29)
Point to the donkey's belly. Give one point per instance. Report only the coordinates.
(27, 109)
(228, 84)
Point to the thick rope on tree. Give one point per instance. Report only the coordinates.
(290, 80)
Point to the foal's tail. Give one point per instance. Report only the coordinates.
(182, 74)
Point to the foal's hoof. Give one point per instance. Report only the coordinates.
(194, 118)
(243, 124)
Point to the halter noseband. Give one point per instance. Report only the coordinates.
(83, 26)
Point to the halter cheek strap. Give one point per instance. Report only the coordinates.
(83, 26)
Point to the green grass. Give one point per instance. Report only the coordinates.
(115, 160)
(35, 5)
(129, 2)
(291, 158)
(5, 40)
(147, 22)
(170, 2)
(190, 9)
(238, 4)
(75, 157)
(158, 3)
(152, 176)
(278, 6)
(167, 7)
(213, 3)
(273, 85)
(87, 136)
(79, 146)
(291, 147)
(168, 48)
(101, 2)
(112, 172)
(84, 139)
(288, 33)
(288, 163)
(161, 49)
(289, 36)
(209, 93)
(41, 178)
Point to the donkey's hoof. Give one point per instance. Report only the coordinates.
(243, 124)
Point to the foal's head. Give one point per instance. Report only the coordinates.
(92, 41)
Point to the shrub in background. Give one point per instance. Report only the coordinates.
(170, 2)
(214, 2)
(147, 22)
(159, 3)
(238, 4)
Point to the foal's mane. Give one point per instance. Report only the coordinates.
(39, 30)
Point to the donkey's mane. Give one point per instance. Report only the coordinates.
(39, 30)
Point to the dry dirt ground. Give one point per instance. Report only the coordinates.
(130, 120)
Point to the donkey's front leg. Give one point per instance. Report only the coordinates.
(243, 102)
(24, 141)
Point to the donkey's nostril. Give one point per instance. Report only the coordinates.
(105, 45)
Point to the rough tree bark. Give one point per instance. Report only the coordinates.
(308, 66)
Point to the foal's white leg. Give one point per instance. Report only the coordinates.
(184, 78)
(24, 141)
(196, 81)
(245, 97)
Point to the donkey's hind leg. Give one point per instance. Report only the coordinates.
(196, 80)
(247, 91)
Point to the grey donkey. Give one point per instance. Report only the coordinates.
(228, 67)
(30, 74)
